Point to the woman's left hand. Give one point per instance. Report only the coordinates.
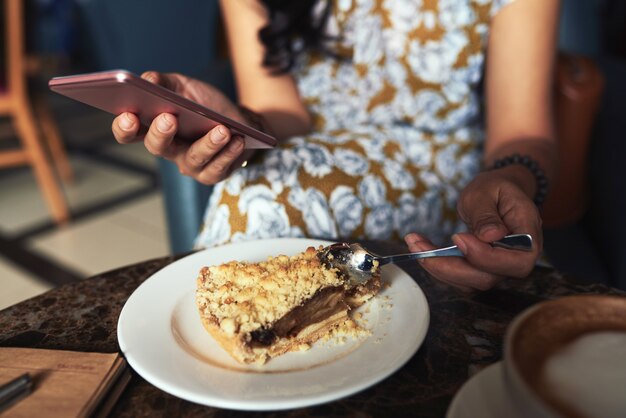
(492, 205)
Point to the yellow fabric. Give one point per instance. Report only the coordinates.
(397, 135)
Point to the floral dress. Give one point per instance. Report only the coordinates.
(398, 131)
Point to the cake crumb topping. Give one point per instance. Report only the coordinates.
(241, 297)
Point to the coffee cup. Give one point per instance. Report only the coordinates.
(567, 358)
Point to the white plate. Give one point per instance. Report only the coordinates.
(160, 333)
(484, 395)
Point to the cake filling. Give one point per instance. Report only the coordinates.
(261, 310)
(324, 304)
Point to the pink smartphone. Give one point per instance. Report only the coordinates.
(119, 91)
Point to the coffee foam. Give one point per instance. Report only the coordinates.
(589, 374)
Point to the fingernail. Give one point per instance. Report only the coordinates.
(126, 123)
(458, 241)
(150, 76)
(164, 123)
(218, 135)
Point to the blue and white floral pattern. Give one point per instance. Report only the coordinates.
(397, 130)
(347, 210)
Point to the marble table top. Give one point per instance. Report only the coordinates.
(465, 335)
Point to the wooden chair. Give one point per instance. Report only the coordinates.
(16, 103)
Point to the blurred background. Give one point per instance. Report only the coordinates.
(74, 203)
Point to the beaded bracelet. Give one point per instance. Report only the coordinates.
(533, 166)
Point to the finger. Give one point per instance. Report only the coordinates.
(125, 128)
(159, 140)
(496, 261)
(170, 81)
(152, 76)
(244, 157)
(523, 218)
(204, 149)
(223, 163)
(452, 270)
(483, 218)
(460, 273)
(418, 243)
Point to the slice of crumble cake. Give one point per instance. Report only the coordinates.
(257, 311)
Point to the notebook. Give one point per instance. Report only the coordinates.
(65, 383)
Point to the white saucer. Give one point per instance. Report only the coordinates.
(484, 395)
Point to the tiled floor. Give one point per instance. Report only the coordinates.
(130, 233)
(18, 284)
(125, 223)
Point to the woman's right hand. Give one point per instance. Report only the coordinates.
(210, 158)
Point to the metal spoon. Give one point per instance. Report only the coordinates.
(359, 263)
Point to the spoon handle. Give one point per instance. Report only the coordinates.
(520, 242)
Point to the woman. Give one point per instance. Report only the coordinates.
(378, 107)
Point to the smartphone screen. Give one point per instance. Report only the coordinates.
(119, 91)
